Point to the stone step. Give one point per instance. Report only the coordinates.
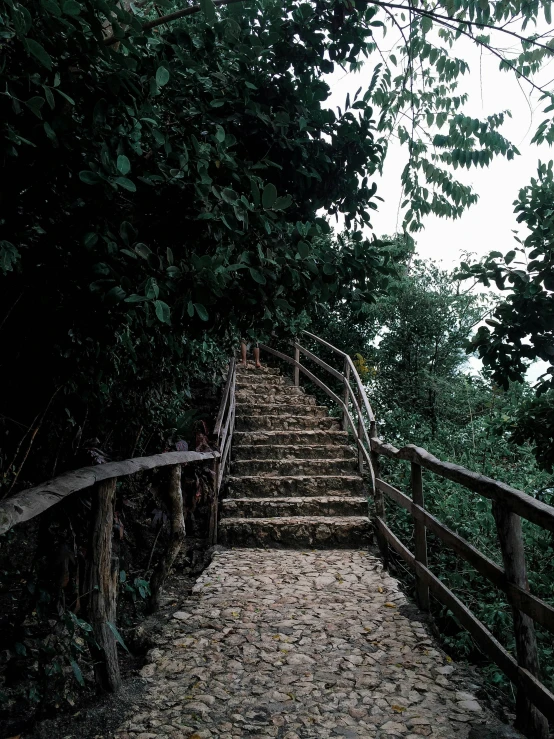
(278, 422)
(294, 486)
(330, 505)
(301, 407)
(251, 371)
(254, 381)
(292, 451)
(310, 438)
(293, 401)
(263, 389)
(278, 467)
(296, 532)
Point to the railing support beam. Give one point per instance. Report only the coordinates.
(529, 720)
(420, 536)
(346, 395)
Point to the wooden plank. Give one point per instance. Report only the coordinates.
(518, 501)
(540, 611)
(420, 536)
(508, 526)
(29, 503)
(395, 543)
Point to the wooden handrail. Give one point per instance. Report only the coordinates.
(29, 503)
(353, 370)
(518, 501)
(535, 702)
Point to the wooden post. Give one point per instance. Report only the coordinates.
(174, 499)
(420, 535)
(346, 396)
(378, 497)
(296, 372)
(360, 433)
(529, 719)
(101, 586)
(212, 531)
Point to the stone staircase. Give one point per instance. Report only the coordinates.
(294, 481)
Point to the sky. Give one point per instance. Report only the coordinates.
(489, 224)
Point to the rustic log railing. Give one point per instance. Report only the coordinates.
(103, 567)
(534, 702)
(223, 432)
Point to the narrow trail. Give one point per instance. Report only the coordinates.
(302, 645)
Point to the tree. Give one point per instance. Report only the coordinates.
(521, 327)
(164, 193)
(423, 324)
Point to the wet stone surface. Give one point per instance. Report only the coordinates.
(300, 645)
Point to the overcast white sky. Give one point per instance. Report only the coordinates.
(487, 225)
(490, 223)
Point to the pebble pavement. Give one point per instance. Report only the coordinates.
(301, 645)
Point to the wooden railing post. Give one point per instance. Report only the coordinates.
(296, 371)
(529, 719)
(420, 536)
(378, 498)
(360, 433)
(103, 576)
(346, 396)
(174, 499)
(212, 530)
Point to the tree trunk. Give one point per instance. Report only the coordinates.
(102, 587)
(177, 536)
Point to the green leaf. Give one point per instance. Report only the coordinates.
(426, 24)
(162, 311)
(208, 8)
(190, 308)
(123, 164)
(201, 311)
(77, 672)
(39, 52)
(35, 104)
(220, 134)
(70, 7)
(162, 76)
(135, 299)
(9, 255)
(329, 269)
(510, 256)
(269, 196)
(89, 178)
(126, 184)
(283, 202)
(143, 251)
(257, 276)
(117, 635)
(90, 239)
(303, 249)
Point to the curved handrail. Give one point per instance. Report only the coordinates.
(365, 453)
(353, 370)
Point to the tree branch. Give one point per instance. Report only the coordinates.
(109, 40)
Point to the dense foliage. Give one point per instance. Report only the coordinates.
(521, 327)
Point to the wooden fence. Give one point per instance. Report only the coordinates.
(534, 702)
(102, 576)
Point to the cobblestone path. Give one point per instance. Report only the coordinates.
(301, 645)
